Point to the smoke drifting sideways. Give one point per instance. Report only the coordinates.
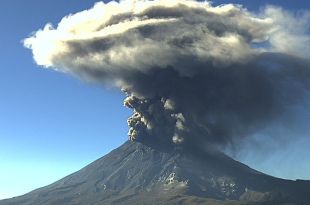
(195, 75)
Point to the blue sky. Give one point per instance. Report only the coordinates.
(52, 124)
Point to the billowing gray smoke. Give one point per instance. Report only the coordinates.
(194, 74)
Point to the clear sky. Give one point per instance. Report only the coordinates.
(52, 124)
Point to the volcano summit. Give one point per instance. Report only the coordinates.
(198, 78)
(138, 174)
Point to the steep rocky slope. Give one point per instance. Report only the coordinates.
(138, 174)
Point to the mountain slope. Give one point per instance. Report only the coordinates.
(138, 174)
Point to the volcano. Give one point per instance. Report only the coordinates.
(136, 173)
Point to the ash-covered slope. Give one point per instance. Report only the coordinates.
(138, 174)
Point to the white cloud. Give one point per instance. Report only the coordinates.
(142, 34)
(202, 58)
(290, 32)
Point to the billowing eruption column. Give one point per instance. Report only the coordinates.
(194, 75)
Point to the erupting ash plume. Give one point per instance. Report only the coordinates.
(193, 74)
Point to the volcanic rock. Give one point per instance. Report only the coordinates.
(136, 173)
